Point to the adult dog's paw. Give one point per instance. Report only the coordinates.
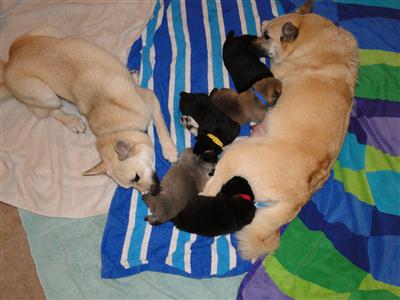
(75, 124)
(170, 153)
(152, 220)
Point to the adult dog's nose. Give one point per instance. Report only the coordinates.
(155, 188)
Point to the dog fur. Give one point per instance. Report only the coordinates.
(245, 107)
(225, 213)
(300, 139)
(178, 200)
(206, 118)
(181, 183)
(242, 64)
(44, 66)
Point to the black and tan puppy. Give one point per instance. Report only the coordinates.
(212, 127)
(229, 211)
(242, 63)
(251, 105)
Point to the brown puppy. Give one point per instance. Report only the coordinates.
(44, 66)
(251, 105)
(299, 140)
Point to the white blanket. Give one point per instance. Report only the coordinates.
(41, 161)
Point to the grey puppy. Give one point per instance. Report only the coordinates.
(183, 181)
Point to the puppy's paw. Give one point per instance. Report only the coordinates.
(190, 124)
(252, 245)
(152, 220)
(75, 124)
(170, 153)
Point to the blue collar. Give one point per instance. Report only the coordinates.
(260, 97)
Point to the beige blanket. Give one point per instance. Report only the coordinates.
(41, 161)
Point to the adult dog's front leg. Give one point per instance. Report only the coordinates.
(168, 147)
(215, 183)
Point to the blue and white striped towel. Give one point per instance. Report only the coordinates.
(180, 50)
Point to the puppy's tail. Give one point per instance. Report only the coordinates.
(4, 92)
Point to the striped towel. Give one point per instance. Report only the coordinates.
(345, 243)
(180, 50)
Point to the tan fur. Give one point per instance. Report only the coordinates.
(43, 68)
(299, 140)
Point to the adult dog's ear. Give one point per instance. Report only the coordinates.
(306, 8)
(289, 32)
(100, 168)
(123, 149)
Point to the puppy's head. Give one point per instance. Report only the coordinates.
(282, 35)
(193, 104)
(237, 185)
(127, 158)
(206, 148)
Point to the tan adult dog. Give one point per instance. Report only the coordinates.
(44, 66)
(300, 138)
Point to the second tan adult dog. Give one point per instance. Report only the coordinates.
(44, 67)
(299, 140)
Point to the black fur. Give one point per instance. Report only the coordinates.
(225, 213)
(210, 120)
(242, 63)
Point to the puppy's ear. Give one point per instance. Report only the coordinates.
(230, 35)
(306, 8)
(184, 94)
(100, 168)
(123, 149)
(289, 32)
(213, 91)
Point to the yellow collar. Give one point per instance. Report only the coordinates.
(216, 140)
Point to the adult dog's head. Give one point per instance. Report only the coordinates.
(283, 35)
(127, 157)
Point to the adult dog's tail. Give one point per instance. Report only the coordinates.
(4, 92)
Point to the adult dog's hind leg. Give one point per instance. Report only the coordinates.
(262, 235)
(41, 100)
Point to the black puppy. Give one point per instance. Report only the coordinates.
(242, 63)
(229, 211)
(214, 129)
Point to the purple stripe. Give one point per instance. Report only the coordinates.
(376, 123)
(381, 133)
(375, 108)
(258, 285)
